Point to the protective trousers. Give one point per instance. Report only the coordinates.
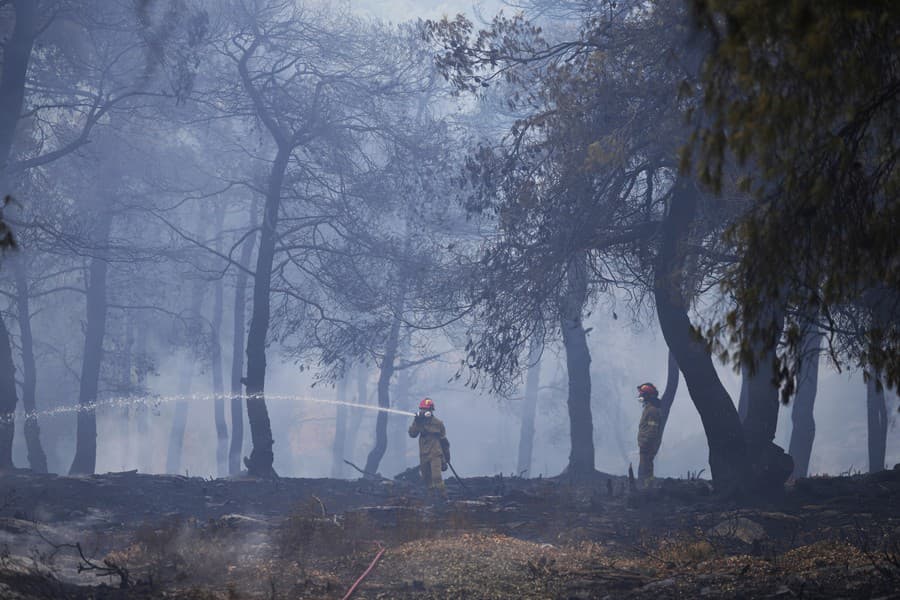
(431, 473)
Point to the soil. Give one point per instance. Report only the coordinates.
(130, 535)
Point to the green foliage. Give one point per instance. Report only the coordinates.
(585, 171)
(804, 95)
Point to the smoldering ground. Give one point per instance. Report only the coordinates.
(498, 536)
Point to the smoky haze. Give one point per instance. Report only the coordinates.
(291, 184)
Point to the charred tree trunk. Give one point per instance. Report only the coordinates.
(340, 429)
(770, 464)
(529, 409)
(668, 395)
(142, 410)
(85, 461)
(126, 389)
(578, 364)
(8, 399)
(876, 411)
(218, 384)
(763, 390)
(396, 456)
(16, 55)
(384, 396)
(878, 302)
(37, 459)
(237, 352)
(216, 358)
(727, 450)
(804, 431)
(356, 417)
(182, 406)
(179, 420)
(744, 399)
(259, 463)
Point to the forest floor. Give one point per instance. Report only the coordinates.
(141, 536)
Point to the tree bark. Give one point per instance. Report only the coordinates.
(16, 55)
(578, 364)
(142, 410)
(355, 418)
(668, 395)
(85, 461)
(8, 399)
(397, 424)
(744, 399)
(125, 385)
(763, 391)
(770, 465)
(384, 395)
(876, 411)
(804, 431)
(237, 351)
(37, 458)
(529, 409)
(259, 464)
(727, 450)
(218, 385)
(182, 407)
(216, 358)
(340, 430)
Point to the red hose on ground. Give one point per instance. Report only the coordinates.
(364, 575)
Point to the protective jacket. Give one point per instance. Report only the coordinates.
(434, 450)
(432, 438)
(650, 427)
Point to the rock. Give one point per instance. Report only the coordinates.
(740, 528)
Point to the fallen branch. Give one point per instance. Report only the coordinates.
(365, 473)
(108, 568)
(365, 573)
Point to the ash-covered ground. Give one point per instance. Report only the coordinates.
(131, 535)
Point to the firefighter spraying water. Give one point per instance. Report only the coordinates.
(434, 448)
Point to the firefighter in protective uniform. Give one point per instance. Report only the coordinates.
(649, 429)
(434, 449)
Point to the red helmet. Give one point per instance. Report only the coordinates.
(647, 389)
(426, 404)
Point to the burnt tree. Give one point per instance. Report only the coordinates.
(804, 424)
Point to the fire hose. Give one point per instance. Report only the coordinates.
(458, 478)
(365, 573)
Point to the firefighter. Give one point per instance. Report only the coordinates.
(434, 449)
(649, 429)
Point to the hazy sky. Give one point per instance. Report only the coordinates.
(402, 10)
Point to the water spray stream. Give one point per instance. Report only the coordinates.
(125, 401)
